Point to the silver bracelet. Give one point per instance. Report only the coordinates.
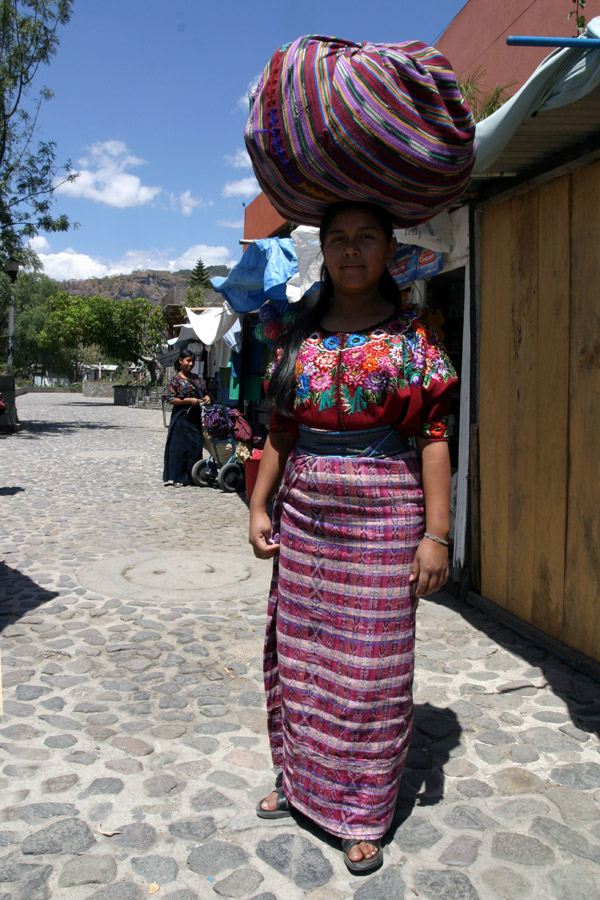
(438, 540)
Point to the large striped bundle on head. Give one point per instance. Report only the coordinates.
(331, 120)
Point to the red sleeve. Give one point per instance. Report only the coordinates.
(436, 410)
(278, 423)
(438, 382)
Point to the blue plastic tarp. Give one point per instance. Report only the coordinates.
(260, 275)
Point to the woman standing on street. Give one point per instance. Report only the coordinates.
(360, 392)
(186, 393)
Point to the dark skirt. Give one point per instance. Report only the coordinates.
(184, 444)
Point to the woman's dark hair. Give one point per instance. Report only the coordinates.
(281, 385)
(183, 354)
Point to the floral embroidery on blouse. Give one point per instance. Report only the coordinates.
(435, 430)
(180, 387)
(371, 376)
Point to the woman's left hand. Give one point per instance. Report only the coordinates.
(429, 569)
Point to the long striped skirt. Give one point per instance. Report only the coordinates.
(339, 650)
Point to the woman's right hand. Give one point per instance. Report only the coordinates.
(260, 533)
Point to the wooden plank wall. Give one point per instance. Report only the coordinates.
(552, 414)
(582, 583)
(496, 314)
(539, 415)
(523, 396)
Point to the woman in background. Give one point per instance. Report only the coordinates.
(360, 393)
(186, 393)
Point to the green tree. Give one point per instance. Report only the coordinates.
(31, 291)
(140, 333)
(28, 171)
(127, 331)
(200, 277)
(69, 330)
(199, 283)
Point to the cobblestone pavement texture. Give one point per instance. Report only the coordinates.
(133, 745)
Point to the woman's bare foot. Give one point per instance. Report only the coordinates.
(361, 851)
(362, 856)
(274, 806)
(270, 801)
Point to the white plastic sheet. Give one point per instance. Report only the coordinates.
(210, 325)
(308, 254)
(433, 235)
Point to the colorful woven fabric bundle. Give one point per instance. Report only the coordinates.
(332, 120)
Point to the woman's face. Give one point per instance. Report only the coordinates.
(187, 364)
(356, 250)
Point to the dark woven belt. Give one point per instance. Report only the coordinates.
(376, 443)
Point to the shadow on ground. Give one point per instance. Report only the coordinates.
(94, 403)
(19, 595)
(576, 689)
(32, 429)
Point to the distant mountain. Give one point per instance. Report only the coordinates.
(151, 284)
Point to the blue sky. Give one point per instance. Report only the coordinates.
(150, 105)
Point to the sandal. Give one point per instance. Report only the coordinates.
(281, 811)
(362, 865)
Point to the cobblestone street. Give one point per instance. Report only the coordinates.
(133, 744)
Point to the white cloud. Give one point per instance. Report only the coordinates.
(240, 159)
(133, 260)
(69, 264)
(246, 187)
(186, 204)
(243, 101)
(104, 179)
(231, 223)
(210, 256)
(39, 243)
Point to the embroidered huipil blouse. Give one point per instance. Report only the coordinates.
(179, 387)
(395, 373)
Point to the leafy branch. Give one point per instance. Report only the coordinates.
(579, 18)
(29, 174)
(483, 101)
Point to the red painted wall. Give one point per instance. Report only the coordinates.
(261, 219)
(477, 37)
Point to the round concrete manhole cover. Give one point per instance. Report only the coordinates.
(149, 576)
